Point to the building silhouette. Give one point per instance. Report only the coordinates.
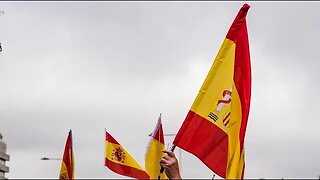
(3, 158)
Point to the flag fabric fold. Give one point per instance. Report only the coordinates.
(215, 125)
(154, 152)
(67, 165)
(120, 161)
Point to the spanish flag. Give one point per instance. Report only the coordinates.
(119, 160)
(67, 165)
(154, 153)
(215, 126)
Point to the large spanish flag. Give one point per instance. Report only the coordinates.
(215, 126)
(154, 153)
(119, 160)
(67, 165)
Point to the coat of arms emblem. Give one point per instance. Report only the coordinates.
(118, 154)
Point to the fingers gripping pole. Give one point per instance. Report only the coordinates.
(162, 169)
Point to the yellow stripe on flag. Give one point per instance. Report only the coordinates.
(219, 78)
(233, 135)
(152, 160)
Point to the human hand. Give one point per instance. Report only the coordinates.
(170, 164)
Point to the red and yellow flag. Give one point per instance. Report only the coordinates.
(67, 165)
(154, 152)
(119, 160)
(215, 126)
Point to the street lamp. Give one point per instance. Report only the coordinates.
(46, 158)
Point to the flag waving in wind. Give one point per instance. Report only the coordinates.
(215, 126)
(119, 160)
(67, 165)
(154, 153)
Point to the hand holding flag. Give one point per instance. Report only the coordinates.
(170, 165)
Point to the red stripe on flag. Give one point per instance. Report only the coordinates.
(238, 23)
(67, 155)
(126, 170)
(205, 140)
(159, 133)
(242, 174)
(242, 78)
(110, 139)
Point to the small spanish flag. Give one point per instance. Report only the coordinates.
(120, 161)
(215, 126)
(154, 153)
(67, 165)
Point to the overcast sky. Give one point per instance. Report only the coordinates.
(88, 66)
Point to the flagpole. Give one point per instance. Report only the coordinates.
(70, 133)
(72, 160)
(105, 148)
(159, 122)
